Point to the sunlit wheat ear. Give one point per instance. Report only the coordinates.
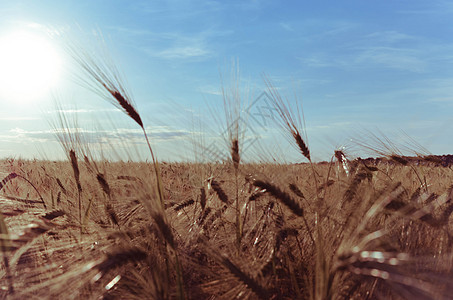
(424, 213)
(127, 106)
(112, 214)
(13, 175)
(12, 213)
(256, 194)
(129, 178)
(296, 190)
(235, 156)
(300, 143)
(433, 159)
(54, 214)
(284, 197)
(351, 191)
(107, 80)
(61, 186)
(357, 227)
(215, 216)
(288, 120)
(204, 214)
(103, 183)
(202, 198)
(415, 195)
(288, 201)
(119, 258)
(75, 168)
(165, 229)
(400, 159)
(5, 180)
(250, 282)
(215, 185)
(342, 160)
(108, 83)
(185, 204)
(108, 207)
(369, 168)
(325, 185)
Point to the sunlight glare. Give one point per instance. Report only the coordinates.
(29, 66)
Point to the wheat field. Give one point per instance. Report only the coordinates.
(375, 234)
(348, 228)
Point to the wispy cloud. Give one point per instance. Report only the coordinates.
(393, 58)
(116, 136)
(82, 111)
(438, 7)
(182, 52)
(179, 46)
(19, 135)
(389, 37)
(211, 90)
(391, 49)
(177, 9)
(320, 61)
(381, 49)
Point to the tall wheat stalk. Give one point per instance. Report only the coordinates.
(108, 83)
(232, 104)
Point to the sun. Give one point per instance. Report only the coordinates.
(29, 66)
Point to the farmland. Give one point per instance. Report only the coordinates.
(256, 231)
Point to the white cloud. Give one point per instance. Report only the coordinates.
(175, 45)
(183, 52)
(81, 111)
(112, 137)
(394, 58)
(389, 37)
(319, 61)
(439, 7)
(177, 9)
(211, 90)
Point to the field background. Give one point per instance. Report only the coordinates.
(261, 231)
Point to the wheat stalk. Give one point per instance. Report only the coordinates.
(288, 121)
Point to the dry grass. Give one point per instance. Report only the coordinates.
(232, 230)
(365, 247)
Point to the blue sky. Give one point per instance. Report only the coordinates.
(356, 66)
